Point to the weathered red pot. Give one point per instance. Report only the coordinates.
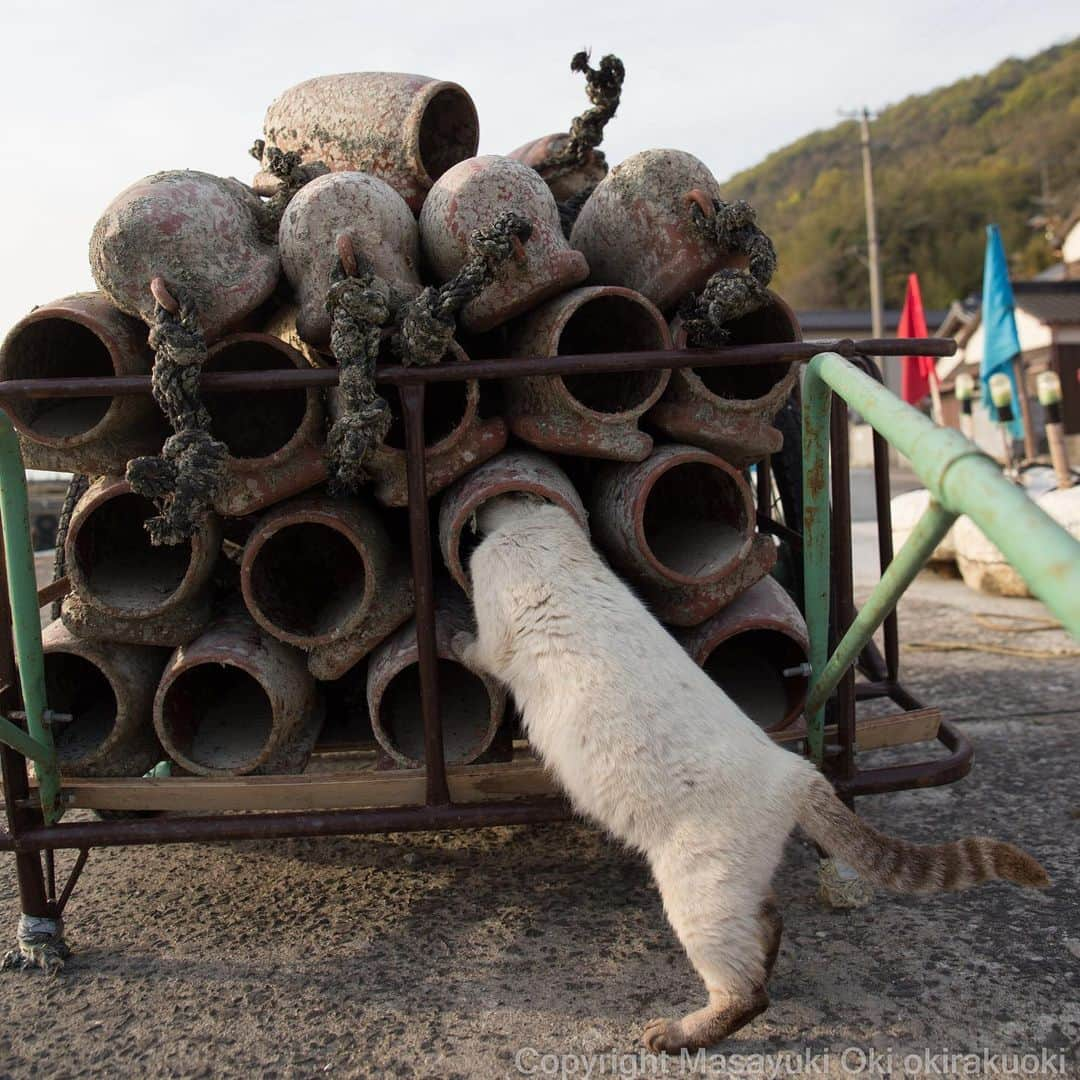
(374, 217)
(276, 439)
(108, 690)
(469, 197)
(471, 706)
(747, 648)
(125, 589)
(588, 415)
(681, 526)
(636, 230)
(324, 575)
(567, 184)
(730, 410)
(456, 437)
(79, 336)
(515, 471)
(204, 235)
(405, 129)
(236, 701)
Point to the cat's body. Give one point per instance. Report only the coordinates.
(647, 745)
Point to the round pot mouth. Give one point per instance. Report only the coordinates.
(601, 319)
(77, 685)
(755, 386)
(77, 345)
(752, 665)
(458, 525)
(681, 547)
(131, 566)
(450, 413)
(196, 714)
(447, 130)
(342, 604)
(470, 708)
(285, 420)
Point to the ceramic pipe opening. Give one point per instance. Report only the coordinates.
(449, 131)
(307, 578)
(117, 561)
(216, 717)
(75, 685)
(695, 519)
(464, 704)
(445, 406)
(57, 348)
(752, 381)
(611, 324)
(749, 667)
(253, 432)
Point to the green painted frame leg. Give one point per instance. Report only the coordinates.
(960, 479)
(37, 742)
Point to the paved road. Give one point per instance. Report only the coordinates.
(450, 955)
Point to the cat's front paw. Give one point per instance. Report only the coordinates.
(663, 1036)
(463, 646)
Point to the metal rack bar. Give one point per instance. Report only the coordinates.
(29, 835)
(427, 656)
(589, 363)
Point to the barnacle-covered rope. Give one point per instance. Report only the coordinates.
(183, 481)
(732, 292)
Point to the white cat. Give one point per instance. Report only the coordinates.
(647, 745)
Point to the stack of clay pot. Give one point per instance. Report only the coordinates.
(286, 620)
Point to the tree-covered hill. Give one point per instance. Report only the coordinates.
(945, 163)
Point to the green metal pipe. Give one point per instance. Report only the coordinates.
(26, 620)
(817, 541)
(960, 479)
(27, 745)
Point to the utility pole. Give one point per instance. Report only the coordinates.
(873, 249)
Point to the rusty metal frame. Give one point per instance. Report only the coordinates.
(29, 837)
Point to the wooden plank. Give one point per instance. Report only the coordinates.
(897, 729)
(331, 791)
(352, 784)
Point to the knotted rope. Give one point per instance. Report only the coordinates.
(183, 481)
(430, 320)
(730, 293)
(77, 486)
(603, 87)
(292, 172)
(361, 304)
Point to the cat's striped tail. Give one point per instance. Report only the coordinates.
(905, 867)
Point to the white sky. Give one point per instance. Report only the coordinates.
(97, 93)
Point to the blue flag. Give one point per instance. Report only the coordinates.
(1001, 342)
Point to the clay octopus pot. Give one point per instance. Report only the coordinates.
(82, 335)
(636, 230)
(374, 217)
(202, 234)
(566, 184)
(404, 129)
(470, 196)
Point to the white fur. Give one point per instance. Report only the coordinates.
(639, 736)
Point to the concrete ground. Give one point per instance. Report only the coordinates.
(474, 954)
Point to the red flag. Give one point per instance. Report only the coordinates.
(918, 370)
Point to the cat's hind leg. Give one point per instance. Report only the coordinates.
(730, 929)
(772, 929)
